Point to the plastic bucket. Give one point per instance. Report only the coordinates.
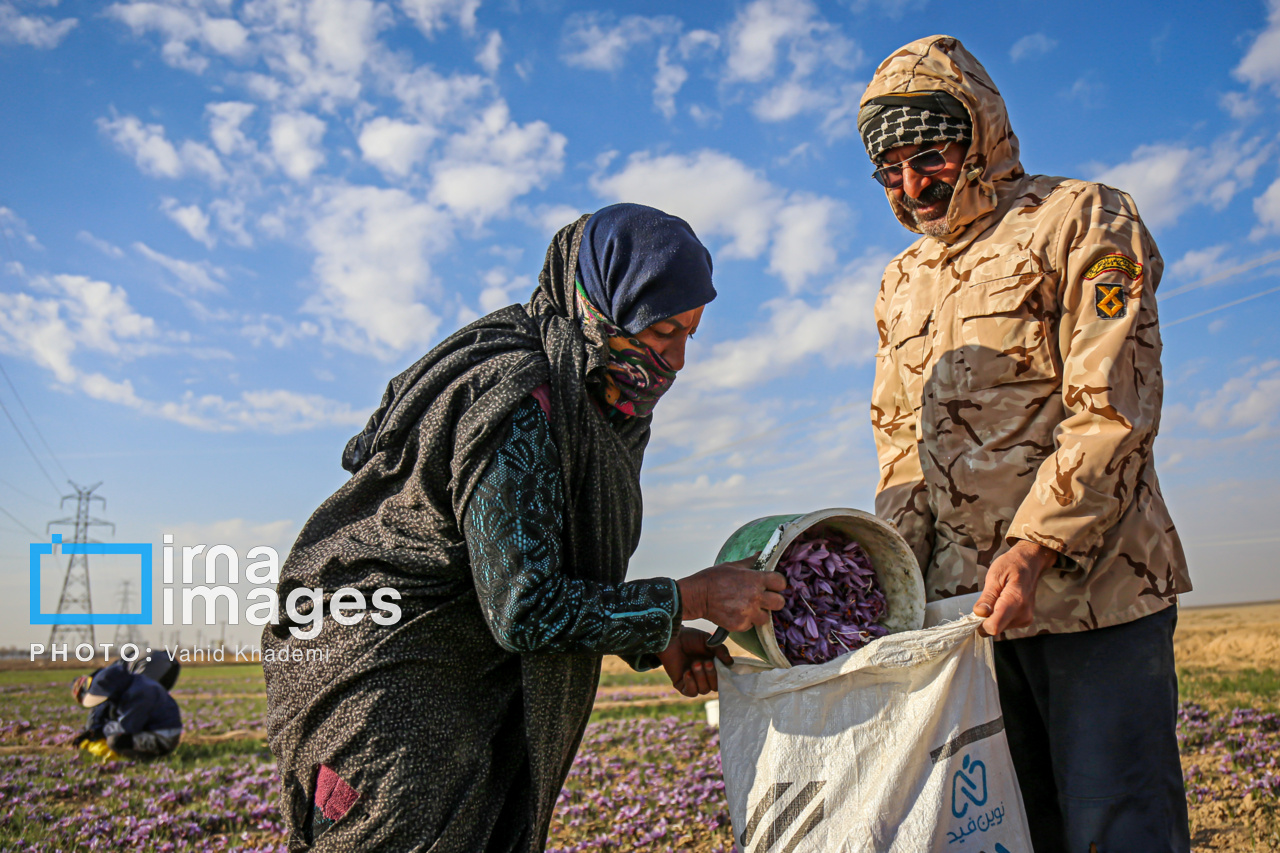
(895, 566)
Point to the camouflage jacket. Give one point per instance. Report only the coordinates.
(1018, 385)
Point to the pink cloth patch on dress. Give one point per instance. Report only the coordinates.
(334, 797)
(543, 395)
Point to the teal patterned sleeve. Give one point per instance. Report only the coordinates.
(514, 527)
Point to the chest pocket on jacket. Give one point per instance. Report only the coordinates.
(1004, 333)
(909, 352)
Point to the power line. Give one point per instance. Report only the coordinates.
(1220, 308)
(24, 494)
(19, 523)
(39, 464)
(1220, 276)
(39, 434)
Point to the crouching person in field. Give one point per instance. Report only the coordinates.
(131, 715)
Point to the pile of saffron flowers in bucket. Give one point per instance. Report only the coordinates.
(833, 602)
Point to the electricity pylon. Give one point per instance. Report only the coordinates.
(125, 633)
(75, 596)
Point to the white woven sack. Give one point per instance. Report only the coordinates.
(898, 747)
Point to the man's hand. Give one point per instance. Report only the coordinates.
(80, 738)
(1009, 596)
(689, 663)
(732, 595)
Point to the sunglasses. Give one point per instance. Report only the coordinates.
(926, 164)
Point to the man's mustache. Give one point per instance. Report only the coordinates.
(935, 192)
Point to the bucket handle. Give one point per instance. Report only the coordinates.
(762, 559)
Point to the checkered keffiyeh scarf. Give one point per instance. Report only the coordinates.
(892, 126)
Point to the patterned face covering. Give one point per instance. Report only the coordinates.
(636, 376)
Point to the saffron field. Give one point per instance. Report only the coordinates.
(647, 776)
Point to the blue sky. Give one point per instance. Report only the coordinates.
(225, 225)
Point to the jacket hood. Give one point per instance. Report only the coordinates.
(941, 63)
(108, 684)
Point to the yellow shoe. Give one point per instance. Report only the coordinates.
(99, 749)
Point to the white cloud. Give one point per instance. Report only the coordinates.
(600, 42)
(373, 249)
(230, 214)
(703, 421)
(1267, 207)
(277, 331)
(592, 39)
(788, 99)
(1197, 263)
(502, 289)
(39, 31)
(489, 57)
(780, 457)
(837, 329)
(1261, 65)
(76, 313)
(155, 155)
(717, 194)
(893, 9)
(803, 245)
(226, 120)
(345, 32)
(432, 15)
(720, 196)
(190, 218)
(760, 31)
(1166, 180)
(551, 218)
(395, 147)
(701, 492)
(314, 52)
(109, 249)
(433, 98)
(296, 143)
(14, 227)
(667, 81)
(1247, 404)
(196, 276)
(1238, 105)
(180, 28)
(1036, 44)
(493, 162)
(819, 53)
(1086, 91)
(276, 411)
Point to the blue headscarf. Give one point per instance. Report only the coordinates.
(639, 265)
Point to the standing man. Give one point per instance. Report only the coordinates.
(1017, 396)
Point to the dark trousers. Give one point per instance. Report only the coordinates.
(1090, 718)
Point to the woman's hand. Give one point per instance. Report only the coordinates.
(690, 664)
(732, 595)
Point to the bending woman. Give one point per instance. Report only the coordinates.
(497, 490)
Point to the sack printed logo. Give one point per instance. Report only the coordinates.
(770, 835)
(970, 784)
(1116, 263)
(1108, 299)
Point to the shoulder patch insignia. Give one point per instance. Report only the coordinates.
(1108, 300)
(1118, 263)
